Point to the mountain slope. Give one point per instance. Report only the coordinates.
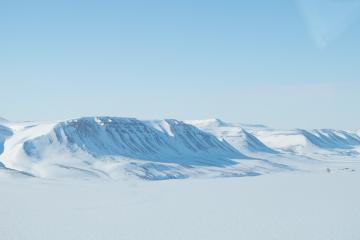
(118, 148)
(234, 134)
(5, 132)
(317, 144)
(7, 172)
(105, 136)
(299, 149)
(331, 139)
(109, 147)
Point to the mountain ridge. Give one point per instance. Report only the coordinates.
(118, 147)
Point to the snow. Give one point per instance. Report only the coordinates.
(238, 137)
(312, 143)
(110, 147)
(94, 178)
(297, 206)
(13, 155)
(207, 123)
(317, 144)
(5, 133)
(124, 148)
(162, 126)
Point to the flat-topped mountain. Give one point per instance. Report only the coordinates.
(115, 147)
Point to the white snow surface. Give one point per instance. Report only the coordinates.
(296, 206)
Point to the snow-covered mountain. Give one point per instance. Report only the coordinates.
(297, 148)
(236, 135)
(112, 147)
(252, 139)
(5, 132)
(106, 146)
(311, 142)
(164, 141)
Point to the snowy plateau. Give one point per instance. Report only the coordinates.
(124, 178)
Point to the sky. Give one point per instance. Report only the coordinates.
(282, 63)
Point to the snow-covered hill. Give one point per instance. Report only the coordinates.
(165, 141)
(299, 149)
(234, 134)
(112, 147)
(5, 132)
(252, 139)
(311, 143)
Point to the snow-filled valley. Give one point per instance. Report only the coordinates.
(99, 178)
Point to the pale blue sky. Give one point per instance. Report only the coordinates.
(282, 63)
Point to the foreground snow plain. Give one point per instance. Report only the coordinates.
(279, 206)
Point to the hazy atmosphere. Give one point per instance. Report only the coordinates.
(279, 63)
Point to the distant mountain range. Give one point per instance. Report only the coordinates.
(117, 148)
